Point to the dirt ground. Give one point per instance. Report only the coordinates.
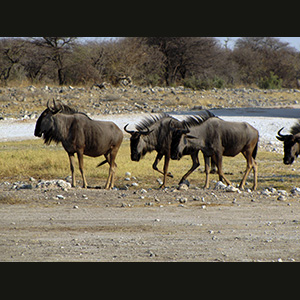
(147, 225)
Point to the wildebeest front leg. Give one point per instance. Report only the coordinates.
(71, 159)
(166, 166)
(195, 165)
(80, 161)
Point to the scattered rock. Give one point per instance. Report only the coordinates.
(232, 189)
(159, 181)
(183, 187)
(281, 198)
(52, 184)
(266, 192)
(182, 200)
(220, 186)
(295, 190)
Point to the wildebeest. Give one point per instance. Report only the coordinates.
(80, 134)
(151, 134)
(291, 143)
(154, 133)
(216, 138)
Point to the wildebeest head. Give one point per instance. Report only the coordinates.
(179, 143)
(44, 124)
(138, 146)
(291, 146)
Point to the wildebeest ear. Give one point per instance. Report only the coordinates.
(191, 137)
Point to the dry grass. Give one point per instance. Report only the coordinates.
(25, 159)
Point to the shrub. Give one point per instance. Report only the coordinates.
(271, 82)
(196, 83)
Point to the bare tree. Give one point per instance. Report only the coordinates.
(11, 51)
(59, 48)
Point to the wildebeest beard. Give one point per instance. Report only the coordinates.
(51, 135)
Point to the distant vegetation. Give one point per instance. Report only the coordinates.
(195, 62)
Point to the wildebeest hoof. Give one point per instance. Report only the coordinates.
(185, 181)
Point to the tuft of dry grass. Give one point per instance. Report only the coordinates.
(24, 159)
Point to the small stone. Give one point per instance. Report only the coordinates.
(231, 189)
(220, 186)
(183, 187)
(281, 198)
(266, 192)
(182, 200)
(159, 181)
(60, 197)
(295, 190)
(156, 199)
(134, 184)
(75, 207)
(282, 192)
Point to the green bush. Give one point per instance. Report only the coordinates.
(271, 82)
(196, 83)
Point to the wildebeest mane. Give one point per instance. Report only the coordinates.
(70, 110)
(149, 121)
(197, 120)
(296, 128)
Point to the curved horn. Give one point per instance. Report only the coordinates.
(280, 136)
(146, 132)
(50, 108)
(279, 133)
(128, 131)
(57, 107)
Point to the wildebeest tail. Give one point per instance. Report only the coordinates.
(255, 151)
(102, 163)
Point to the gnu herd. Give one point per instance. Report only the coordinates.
(169, 137)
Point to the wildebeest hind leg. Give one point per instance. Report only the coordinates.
(80, 161)
(71, 159)
(156, 161)
(206, 163)
(251, 163)
(112, 168)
